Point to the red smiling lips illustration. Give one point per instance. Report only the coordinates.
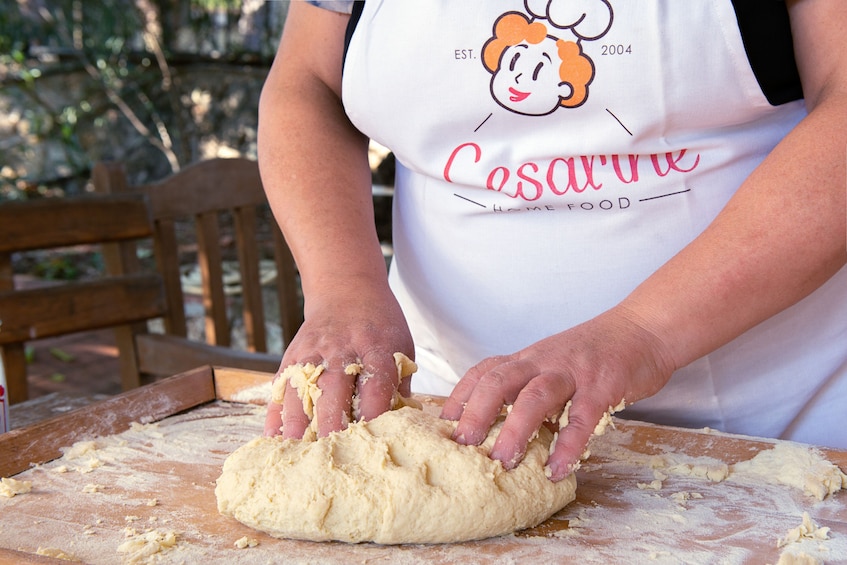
(517, 95)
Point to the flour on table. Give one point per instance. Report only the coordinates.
(735, 521)
(259, 394)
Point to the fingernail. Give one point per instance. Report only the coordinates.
(509, 462)
(554, 472)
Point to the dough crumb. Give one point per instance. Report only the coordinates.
(13, 487)
(684, 496)
(354, 369)
(79, 449)
(56, 553)
(143, 548)
(788, 558)
(806, 530)
(304, 379)
(245, 542)
(656, 483)
(405, 366)
(606, 419)
(605, 422)
(652, 485)
(564, 419)
(91, 488)
(714, 471)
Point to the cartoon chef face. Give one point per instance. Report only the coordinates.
(528, 80)
(532, 71)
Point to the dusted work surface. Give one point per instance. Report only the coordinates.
(644, 495)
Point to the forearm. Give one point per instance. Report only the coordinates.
(315, 170)
(778, 239)
(318, 183)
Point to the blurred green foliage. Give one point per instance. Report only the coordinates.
(154, 83)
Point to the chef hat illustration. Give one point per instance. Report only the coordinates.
(587, 19)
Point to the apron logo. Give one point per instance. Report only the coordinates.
(536, 59)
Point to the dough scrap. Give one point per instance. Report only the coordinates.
(806, 530)
(57, 553)
(245, 542)
(796, 466)
(398, 478)
(12, 487)
(788, 558)
(143, 547)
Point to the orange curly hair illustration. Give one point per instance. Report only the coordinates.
(513, 28)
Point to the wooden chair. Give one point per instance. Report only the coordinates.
(30, 314)
(202, 195)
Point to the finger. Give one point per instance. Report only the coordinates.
(332, 408)
(573, 439)
(294, 420)
(454, 406)
(273, 420)
(498, 386)
(376, 385)
(541, 399)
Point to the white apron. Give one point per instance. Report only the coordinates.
(552, 155)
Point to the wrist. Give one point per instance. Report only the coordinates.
(347, 286)
(646, 327)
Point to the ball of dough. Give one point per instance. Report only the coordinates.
(396, 479)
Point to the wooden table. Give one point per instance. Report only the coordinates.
(634, 504)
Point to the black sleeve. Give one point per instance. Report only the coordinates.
(766, 32)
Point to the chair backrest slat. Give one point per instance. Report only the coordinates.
(165, 248)
(212, 196)
(110, 221)
(206, 186)
(61, 222)
(251, 284)
(68, 308)
(210, 261)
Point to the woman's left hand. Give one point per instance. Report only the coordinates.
(595, 365)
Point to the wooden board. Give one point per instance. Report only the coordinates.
(42, 442)
(617, 517)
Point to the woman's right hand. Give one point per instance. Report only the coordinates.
(354, 323)
(314, 166)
